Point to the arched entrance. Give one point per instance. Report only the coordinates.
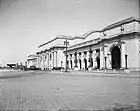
(116, 57)
(91, 62)
(71, 63)
(98, 62)
(68, 64)
(80, 63)
(85, 61)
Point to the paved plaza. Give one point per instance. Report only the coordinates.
(43, 90)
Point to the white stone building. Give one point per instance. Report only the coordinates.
(32, 60)
(116, 46)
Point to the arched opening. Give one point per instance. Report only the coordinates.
(98, 62)
(85, 61)
(71, 63)
(68, 64)
(61, 64)
(116, 57)
(90, 62)
(80, 62)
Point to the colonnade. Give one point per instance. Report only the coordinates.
(97, 58)
(83, 60)
(48, 60)
(100, 58)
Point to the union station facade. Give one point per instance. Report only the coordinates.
(116, 47)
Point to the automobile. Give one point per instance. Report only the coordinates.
(58, 68)
(33, 68)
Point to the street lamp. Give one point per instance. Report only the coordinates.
(66, 43)
(126, 60)
(75, 60)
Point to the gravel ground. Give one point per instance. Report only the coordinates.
(67, 91)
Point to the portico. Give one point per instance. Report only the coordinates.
(50, 58)
(115, 48)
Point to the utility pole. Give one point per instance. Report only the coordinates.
(66, 43)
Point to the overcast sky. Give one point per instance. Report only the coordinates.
(25, 24)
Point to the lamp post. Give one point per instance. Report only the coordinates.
(126, 60)
(66, 43)
(75, 54)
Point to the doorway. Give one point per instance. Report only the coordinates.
(71, 63)
(98, 62)
(116, 57)
(80, 64)
(85, 61)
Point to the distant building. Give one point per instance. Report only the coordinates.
(116, 47)
(32, 60)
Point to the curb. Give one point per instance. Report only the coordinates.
(99, 73)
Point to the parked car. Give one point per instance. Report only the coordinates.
(58, 68)
(32, 68)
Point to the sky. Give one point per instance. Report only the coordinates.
(26, 24)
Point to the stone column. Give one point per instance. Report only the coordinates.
(67, 61)
(49, 63)
(90, 59)
(47, 60)
(122, 54)
(76, 61)
(56, 58)
(109, 60)
(70, 58)
(101, 57)
(43, 61)
(94, 58)
(105, 55)
(53, 59)
(87, 57)
(82, 61)
(73, 64)
(38, 61)
(28, 63)
(54, 53)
